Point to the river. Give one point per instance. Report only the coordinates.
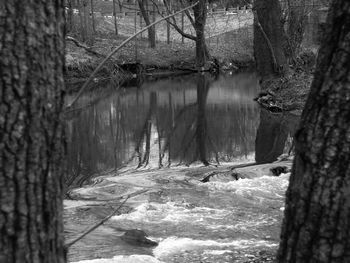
(161, 136)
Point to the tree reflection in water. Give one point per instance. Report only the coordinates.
(272, 134)
(163, 123)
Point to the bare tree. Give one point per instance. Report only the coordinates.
(296, 15)
(198, 22)
(115, 17)
(143, 5)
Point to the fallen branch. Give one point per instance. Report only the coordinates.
(119, 47)
(69, 244)
(88, 49)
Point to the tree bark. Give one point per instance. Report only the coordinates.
(200, 15)
(151, 32)
(115, 18)
(295, 27)
(92, 17)
(268, 39)
(32, 149)
(316, 226)
(83, 29)
(70, 16)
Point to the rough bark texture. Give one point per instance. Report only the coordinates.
(268, 38)
(316, 227)
(31, 131)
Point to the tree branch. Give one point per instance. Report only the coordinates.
(71, 243)
(174, 24)
(188, 14)
(79, 44)
(119, 47)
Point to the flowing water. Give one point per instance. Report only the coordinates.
(190, 120)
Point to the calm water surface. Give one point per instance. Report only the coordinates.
(183, 120)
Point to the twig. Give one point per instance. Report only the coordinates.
(79, 44)
(174, 24)
(119, 47)
(188, 14)
(104, 219)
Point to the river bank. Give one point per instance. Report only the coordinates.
(176, 59)
(290, 92)
(173, 57)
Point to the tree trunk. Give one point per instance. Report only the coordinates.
(81, 19)
(70, 16)
(115, 18)
(200, 15)
(151, 32)
(32, 149)
(93, 17)
(268, 39)
(295, 27)
(316, 227)
(86, 23)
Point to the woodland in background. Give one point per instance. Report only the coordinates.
(316, 227)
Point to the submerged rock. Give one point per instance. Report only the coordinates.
(278, 170)
(226, 176)
(138, 238)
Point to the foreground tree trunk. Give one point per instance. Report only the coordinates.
(31, 140)
(268, 39)
(316, 227)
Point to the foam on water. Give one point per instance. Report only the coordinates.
(217, 252)
(173, 245)
(265, 187)
(171, 212)
(124, 259)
